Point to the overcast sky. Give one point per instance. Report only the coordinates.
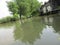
(4, 10)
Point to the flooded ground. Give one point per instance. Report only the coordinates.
(43, 30)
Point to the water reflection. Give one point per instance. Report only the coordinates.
(56, 24)
(38, 31)
(35, 31)
(48, 37)
(29, 32)
(48, 20)
(53, 21)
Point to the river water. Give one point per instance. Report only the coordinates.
(43, 30)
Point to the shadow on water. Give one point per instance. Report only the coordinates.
(29, 32)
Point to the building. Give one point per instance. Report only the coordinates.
(50, 6)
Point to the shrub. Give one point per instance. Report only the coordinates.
(8, 19)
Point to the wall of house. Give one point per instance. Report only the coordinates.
(49, 6)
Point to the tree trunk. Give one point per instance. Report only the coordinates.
(20, 13)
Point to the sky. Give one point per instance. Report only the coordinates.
(4, 11)
(43, 1)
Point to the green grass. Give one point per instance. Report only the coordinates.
(8, 19)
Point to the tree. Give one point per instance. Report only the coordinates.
(23, 7)
(13, 7)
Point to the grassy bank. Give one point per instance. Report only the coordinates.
(8, 19)
(14, 18)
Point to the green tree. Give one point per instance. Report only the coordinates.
(13, 7)
(23, 7)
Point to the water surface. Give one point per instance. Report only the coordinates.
(35, 31)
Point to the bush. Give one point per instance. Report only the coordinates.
(9, 19)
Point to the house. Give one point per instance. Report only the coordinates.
(50, 7)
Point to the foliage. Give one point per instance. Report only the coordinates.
(12, 7)
(8, 19)
(23, 7)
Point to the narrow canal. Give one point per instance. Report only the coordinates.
(43, 30)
